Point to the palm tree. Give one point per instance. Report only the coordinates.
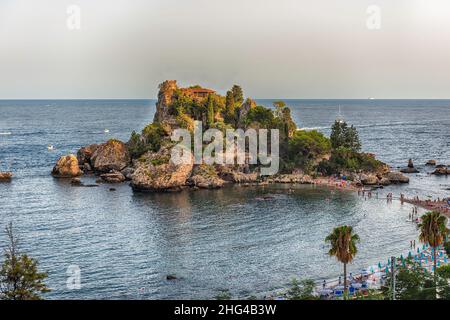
(343, 246)
(433, 230)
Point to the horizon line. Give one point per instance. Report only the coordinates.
(149, 99)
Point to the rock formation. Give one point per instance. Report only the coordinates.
(113, 177)
(410, 168)
(5, 176)
(369, 179)
(112, 155)
(155, 171)
(165, 95)
(206, 177)
(396, 177)
(67, 167)
(431, 163)
(85, 153)
(441, 170)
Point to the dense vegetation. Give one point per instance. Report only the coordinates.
(345, 152)
(308, 151)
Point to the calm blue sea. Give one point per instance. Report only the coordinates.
(125, 244)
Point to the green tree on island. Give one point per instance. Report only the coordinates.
(19, 276)
(433, 231)
(344, 136)
(230, 110)
(210, 115)
(238, 94)
(343, 246)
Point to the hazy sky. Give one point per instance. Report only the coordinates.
(272, 48)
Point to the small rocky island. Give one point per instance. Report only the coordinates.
(145, 159)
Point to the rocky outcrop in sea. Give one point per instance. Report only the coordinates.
(148, 165)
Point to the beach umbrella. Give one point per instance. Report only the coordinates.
(387, 269)
(372, 270)
(416, 258)
(438, 263)
(424, 247)
(379, 265)
(401, 257)
(445, 259)
(409, 255)
(418, 250)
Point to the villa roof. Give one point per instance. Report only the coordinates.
(199, 90)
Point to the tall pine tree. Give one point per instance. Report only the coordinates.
(238, 94)
(230, 108)
(210, 111)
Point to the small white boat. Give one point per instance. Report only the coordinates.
(340, 118)
(50, 147)
(106, 131)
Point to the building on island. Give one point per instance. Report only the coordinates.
(198, 92)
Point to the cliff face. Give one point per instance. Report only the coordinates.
(165, 97)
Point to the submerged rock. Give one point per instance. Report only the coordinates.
(431, 163)
(5, 176)
(67, 167)
(156, 172)
(112, 155)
